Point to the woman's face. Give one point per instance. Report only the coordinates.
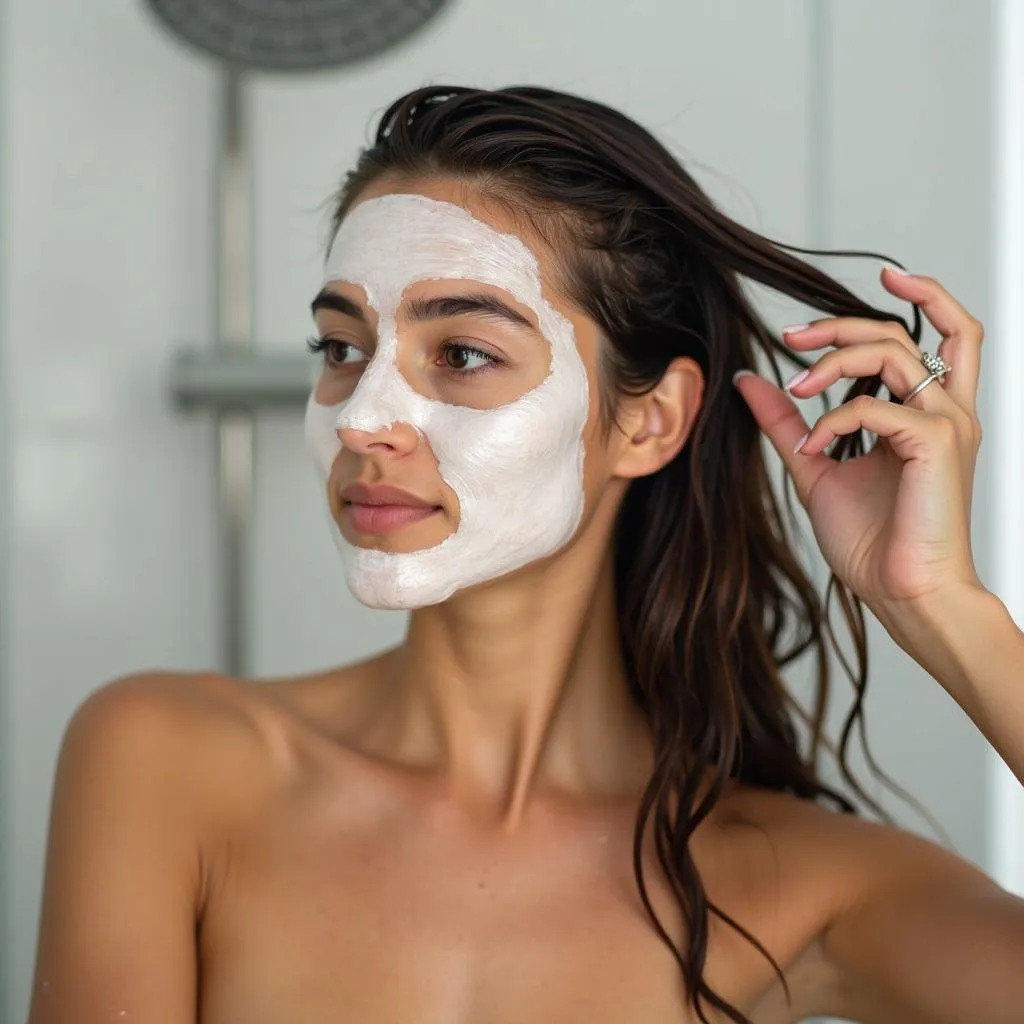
(454, 372)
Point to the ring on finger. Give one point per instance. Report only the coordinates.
(937, 369)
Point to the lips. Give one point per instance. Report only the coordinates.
(381, 508)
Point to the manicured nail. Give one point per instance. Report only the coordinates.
(796, 379)
(742, 373)
(898, 270)
(795, 328)
(800, 443)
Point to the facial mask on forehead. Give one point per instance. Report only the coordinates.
(517, 470)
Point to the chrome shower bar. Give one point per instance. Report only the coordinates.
(240, 379)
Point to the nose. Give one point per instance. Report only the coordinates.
(397, 440)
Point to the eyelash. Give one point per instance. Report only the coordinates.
(492, 362)
(322, 345)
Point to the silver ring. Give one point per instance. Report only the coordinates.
(937, 369)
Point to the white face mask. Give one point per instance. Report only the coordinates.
(517, 470)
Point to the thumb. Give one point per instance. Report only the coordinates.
(781, 422)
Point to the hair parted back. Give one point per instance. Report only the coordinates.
(713, 602)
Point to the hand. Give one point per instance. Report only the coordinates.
(894, 523)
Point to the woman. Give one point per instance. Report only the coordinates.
(576, 790)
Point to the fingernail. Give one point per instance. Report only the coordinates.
(800, 443)
(794, 328)
(898, 270)
(796, 379)
(742, 373)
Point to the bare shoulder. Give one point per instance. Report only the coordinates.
(152, 772)
(869, 880)
(205, 734)
(860, 853)
(229, 735)
(167, 693)
(168, 705)
(849, 857)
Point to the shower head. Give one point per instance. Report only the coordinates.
(294, 35)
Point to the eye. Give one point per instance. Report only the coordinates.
(465, 359)
(336, 353)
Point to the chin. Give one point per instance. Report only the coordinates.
(378, 585)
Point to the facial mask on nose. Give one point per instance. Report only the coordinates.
(517, 470)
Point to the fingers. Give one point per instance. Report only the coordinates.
(962, 334)
(900, 369)
(845, 331)
(781, 422)
(912, 433)
(937, 416)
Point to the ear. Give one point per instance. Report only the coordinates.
(658, 424)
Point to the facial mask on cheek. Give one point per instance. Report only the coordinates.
(517, 470)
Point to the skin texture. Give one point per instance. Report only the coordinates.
(443, 834)
(508, 444)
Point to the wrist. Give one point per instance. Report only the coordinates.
(948, 632)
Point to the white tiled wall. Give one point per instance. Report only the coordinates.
(855, 125)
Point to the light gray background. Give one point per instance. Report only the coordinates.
(849, 124)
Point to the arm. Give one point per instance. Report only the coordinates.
(969, 643)
(927, 937)
(924, 938)
(123, 868)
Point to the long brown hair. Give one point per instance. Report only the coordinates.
(713, 603)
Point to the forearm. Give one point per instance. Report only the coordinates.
(971, 645)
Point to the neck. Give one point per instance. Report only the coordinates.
(517, 690)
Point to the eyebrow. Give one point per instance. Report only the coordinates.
(472, 304)
(440, 307)
(326, 299)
